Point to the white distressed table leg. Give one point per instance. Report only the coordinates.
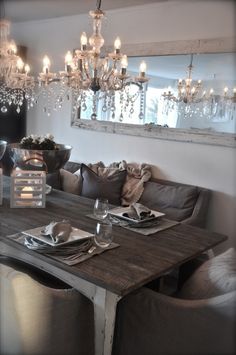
(105, 303)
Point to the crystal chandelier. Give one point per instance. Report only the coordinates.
(222, 106)
(91, 78)
(191, 99)
(189, 94)
(15, 82)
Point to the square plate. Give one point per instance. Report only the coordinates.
(75, 236)
(118, 212)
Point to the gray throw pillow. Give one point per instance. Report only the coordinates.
(176, 201)
(215, 277)
(94, 186)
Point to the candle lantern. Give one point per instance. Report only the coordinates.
(28, 189)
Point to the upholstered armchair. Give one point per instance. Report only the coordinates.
(200, 320)
(151, 323)
(41, 315)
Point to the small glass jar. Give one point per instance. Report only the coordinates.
(103, 233)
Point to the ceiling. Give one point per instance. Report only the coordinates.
(30, 10)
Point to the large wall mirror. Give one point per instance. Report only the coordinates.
(211, 120)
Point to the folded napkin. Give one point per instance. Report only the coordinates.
(138, 212)
(58, 231)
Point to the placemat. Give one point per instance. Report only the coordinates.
(72, 259)
(158, 226)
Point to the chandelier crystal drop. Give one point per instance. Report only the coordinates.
(90, 78)
(15, 82)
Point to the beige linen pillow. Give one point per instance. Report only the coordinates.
(71, 182)
(215, 277)
(137, 175)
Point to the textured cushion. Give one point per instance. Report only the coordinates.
(71, 183)
(176, 201)
(94, 186)
(36, 274)
(37, 319)
(215, 277)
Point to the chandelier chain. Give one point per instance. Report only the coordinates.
(99, 2)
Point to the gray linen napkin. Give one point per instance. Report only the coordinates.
(138, 212)
(58, 231)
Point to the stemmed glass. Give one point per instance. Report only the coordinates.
(3, 145)
(101, 208)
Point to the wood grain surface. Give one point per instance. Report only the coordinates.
(138, 260)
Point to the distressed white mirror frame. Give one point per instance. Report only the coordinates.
(217, 45)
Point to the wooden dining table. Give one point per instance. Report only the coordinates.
(107, 277)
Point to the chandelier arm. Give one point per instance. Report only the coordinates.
(111, 73)
(85, 70)
(191, 60)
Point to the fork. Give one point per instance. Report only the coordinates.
(75, 256)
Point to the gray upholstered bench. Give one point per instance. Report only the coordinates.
(181, 202)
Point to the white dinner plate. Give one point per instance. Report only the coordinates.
(75, 236)
(119, 211)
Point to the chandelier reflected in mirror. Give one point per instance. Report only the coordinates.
(191, 99)
(90, 78)
(15, 82)
(189, 94)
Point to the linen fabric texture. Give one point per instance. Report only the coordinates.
(215, 277)
(41, 315)
(71, 182)
(132, 189)
(177, 202)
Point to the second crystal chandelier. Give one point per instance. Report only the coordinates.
(15, 82)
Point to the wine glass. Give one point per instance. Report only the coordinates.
(101, 208)
(103, 234)
(3, 145)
